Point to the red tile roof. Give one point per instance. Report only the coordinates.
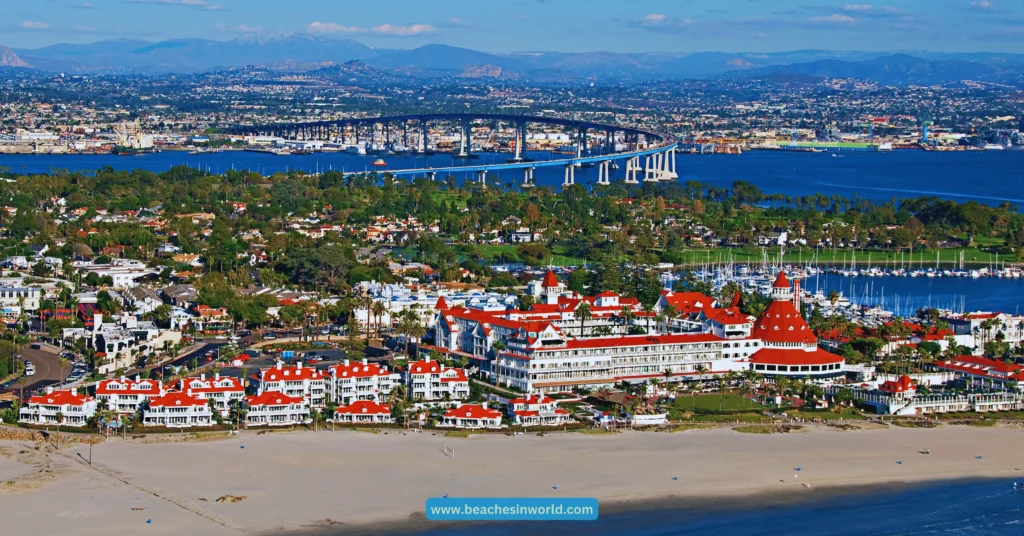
(357, 369)
(290, 373)
(441, 304)
(902, 385)
(131, 387)
(272, 398)
(781, 323)
(472, 411)
(177, 399)
(687, 302)
(634, 340)
(224, 384)
(983, 366)
(781, 281)
(60, 398)
(550, 279)
(795, 356)
(364, 407)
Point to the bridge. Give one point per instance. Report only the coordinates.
(594, 144)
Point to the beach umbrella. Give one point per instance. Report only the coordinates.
(675, 478)
(556, 486)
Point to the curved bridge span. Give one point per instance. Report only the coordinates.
(648, 155)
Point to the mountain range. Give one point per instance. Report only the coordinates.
(299, 51)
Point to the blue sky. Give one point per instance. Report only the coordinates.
(522, 25)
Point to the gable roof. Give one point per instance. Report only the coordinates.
(272, 398)
(177, 398)
(472, 411)
(60, 398)
(364, 407)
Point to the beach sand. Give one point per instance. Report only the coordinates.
(297, 481)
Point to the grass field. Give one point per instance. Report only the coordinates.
(496, 251)
(714, 402)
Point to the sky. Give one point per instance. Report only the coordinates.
(548, 25)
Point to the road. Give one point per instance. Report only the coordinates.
(48, 370)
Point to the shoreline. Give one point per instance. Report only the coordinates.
(324, 483)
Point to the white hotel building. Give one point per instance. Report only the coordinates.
(359, 380)
(74, 408)
(306, 383)
(178, 410)
(126, 395)
(546, 350)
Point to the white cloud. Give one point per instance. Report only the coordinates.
(35, 25)
(412, 29)
(838, 19)
(654, 18)
(331, 27)
(858, 8)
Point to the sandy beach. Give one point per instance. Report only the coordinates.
(298, 481)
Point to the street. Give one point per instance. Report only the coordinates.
(48, 370)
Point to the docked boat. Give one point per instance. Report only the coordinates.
(993, 147)
(356, 149)
(379, 162)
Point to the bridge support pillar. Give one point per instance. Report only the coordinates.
(423, 136)
(527, 177)
(520, 139)
(672, 164)
(482, 178)
(465, 145)
(604, 172)
(632, 166)
(432, 175)
(570, 175)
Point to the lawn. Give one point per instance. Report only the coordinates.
(864, 258)
(714, 402)
(508, 252)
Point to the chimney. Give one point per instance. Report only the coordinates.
(278, 365)
(189, 392)
(123, 378)
(484, 405)
(138, 378)
(49, 390)
(216, 376)
(298, 365)
(364, 360)
(202, 377)
(346, 362)
(427, 359)
(74, 391)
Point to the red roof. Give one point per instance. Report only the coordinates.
(901, 385)
(531, 399)
(290, 374)
(357, 369)
(60, 398)
(983, 366)
(687, 302)
(177, 399)
(736, 299)
(364, 407)
(130, 387)
(550, 280)
(781, 323)
(272, 398)
(223, 384)
(472, 411)
(441, 304)
(781, 281)
(794, 356)
(728, 316)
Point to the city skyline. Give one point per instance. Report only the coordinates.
(533, 25)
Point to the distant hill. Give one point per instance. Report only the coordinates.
(902, 69)
(306, 52)
(9, 59)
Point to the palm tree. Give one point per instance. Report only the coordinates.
(367, 303)
(648, 312)
(378, 312)
(627, 316)
(701, 371)
(670, 314)
(63, 364)
(667, 373)
(584, 314)
(60, 418)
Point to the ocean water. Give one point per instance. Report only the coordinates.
(982, 508)
(905, 295)
(990, 177)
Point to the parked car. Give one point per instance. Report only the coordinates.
(35, 346)
(269, 336)
(30, 369)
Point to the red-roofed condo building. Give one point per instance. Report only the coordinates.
(430, 380)
(75, 408)
(306, 383)
(178, 410)
(472, 416)
(272, 408)
(359, 380)
(533, 410)
(126, 395)
(363, 412)
(221, 389)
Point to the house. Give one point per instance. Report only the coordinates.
(222, 390)
(191, 259)
(472, 416)
(430, 380)
(126, 395)
(211, 320)
(272, 408)
(75, 409)
(180, 295)
(350, 381)
(533, 410)
(178, 410)
(141, 300)
(305, 383)
(363, 412)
